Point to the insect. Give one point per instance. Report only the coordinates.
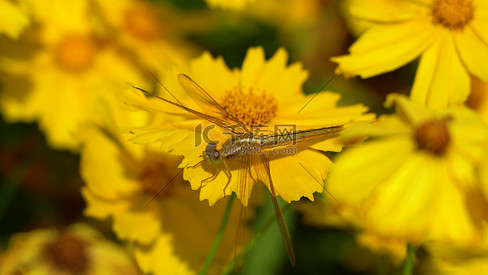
(244, 147)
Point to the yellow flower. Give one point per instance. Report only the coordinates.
(229, 4)
(262, 93)
(66, 77)
(77, 249)
(417, 178)
(12, 19)
(172, 234)
(451, 36)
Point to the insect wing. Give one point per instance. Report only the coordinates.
(246, 215)
(229, 125)
(208, 104)
(260, 164)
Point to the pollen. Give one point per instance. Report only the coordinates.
(68, 253)
(453, 14)
(433, 136)
(76, 52)
(142, 22)
(252, 108)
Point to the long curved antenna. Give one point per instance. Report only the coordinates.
(164, 187)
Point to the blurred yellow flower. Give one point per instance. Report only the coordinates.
(262, 93)
(66, 77)
(229, 4)
(77, 249)
(417, 178)
(147, 30)
(287, 14)
(451, 36)
(12, 19)
(172, 234)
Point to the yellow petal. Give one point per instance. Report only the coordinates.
(283, 81)
(441, 78)
(109, 258)
(386, 11)
(57, 22)
(214, 190)
(150, 134)
(328, 145)
(469, 134)
(349, 185)
(320, 110)
(150, 259)
(99, 207)
(213, 75)
(407, 110)
(480, 27)
(385, 48)
(460, 170)
(385, 125)
(252, 66)
(309, 168)
(409, 193)
(199, 226)
(12, 19)
(473, 52)
(102, 166)
(127, 223)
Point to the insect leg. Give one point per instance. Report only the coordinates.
(228, 174)
(211, 178)
(196, 165)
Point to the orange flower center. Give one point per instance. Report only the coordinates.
(433, 136)
(453, 14)
(76, 52)
(155, 175)
(68, 253)
(252, 108)
(142, 22)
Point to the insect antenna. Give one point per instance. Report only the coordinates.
(323, 185)
(164, 87)
(164, 187)
(318, 91)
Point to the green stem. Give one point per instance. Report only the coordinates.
(409, 260)
(231, 266)
(218, 238)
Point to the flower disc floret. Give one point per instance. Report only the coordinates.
(433, 136)
(76, 52)
(141, 21)
(453, 14)
(68, 253)
(252, 108)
